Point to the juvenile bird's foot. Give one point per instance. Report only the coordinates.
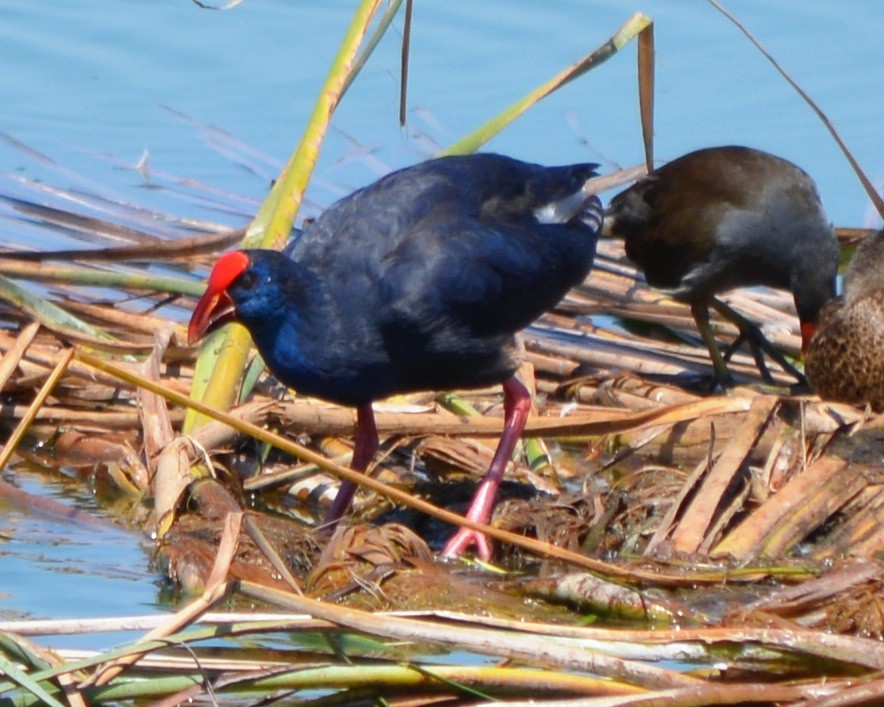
(759, 345)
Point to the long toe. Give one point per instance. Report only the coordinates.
(465, 538)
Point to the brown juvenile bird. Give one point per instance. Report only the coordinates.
(845, 360)
(727, 217)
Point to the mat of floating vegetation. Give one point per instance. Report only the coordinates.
(650, 468)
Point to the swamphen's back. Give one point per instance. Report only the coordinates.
(419, 281)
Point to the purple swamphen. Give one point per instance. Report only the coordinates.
(417, 282)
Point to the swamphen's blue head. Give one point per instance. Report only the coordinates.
(258, 288)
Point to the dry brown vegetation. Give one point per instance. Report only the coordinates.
(715, 517)
(727, 545)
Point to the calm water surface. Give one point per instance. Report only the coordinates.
(93, 84)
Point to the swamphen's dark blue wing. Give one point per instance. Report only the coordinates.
(449, 258)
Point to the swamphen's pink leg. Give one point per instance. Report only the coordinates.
(516, 405)
(363, 452)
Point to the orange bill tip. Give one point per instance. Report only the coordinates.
(808, 329)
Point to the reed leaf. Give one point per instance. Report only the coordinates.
(37, 693)
(373, 41)
(40, 272)
(48, 314)
(472, 142)
(646, 63)
(16, 651)
(273, 223)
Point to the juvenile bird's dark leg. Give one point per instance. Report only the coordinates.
(363, 452)
(516, 405)
(757, 354)
(700, 311)
(749, 331)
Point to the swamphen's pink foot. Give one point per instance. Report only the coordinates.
(517, 405)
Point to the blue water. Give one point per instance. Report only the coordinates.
(82, 77)
(93, 84)
(58, 569)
